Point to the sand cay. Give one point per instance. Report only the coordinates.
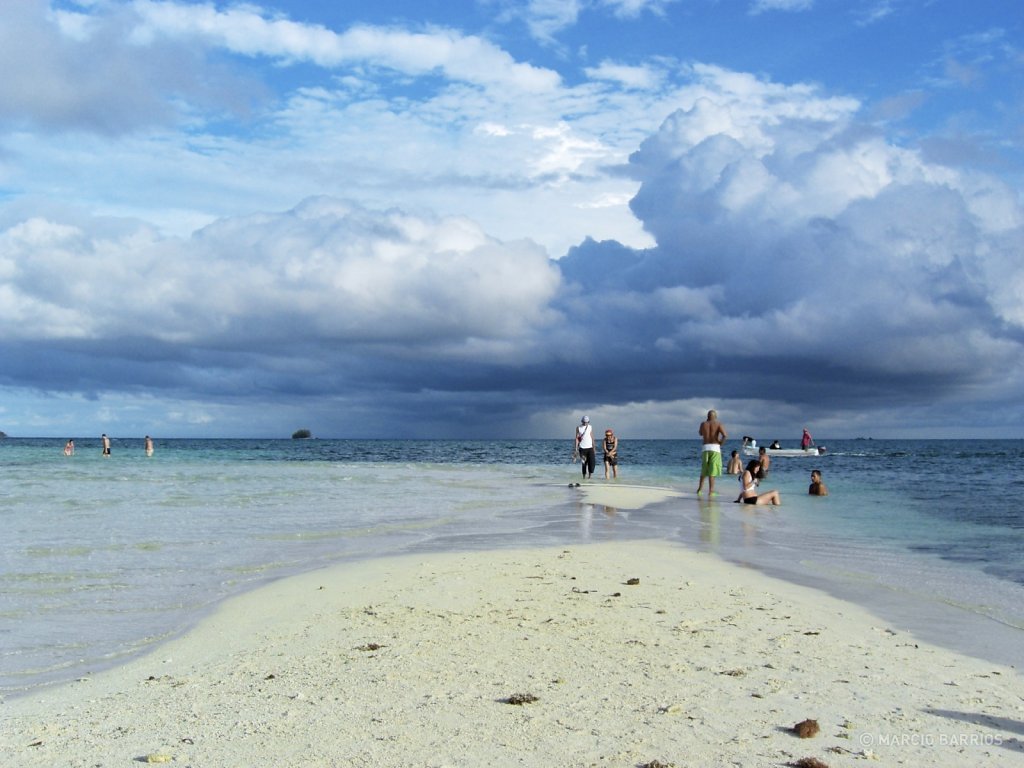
(622, 654)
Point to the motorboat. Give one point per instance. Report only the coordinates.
(750, 448)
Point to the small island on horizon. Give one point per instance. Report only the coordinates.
(302, 434)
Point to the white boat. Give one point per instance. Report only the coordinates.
(750, 448)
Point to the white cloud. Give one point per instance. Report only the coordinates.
(642, 77)
(630, 9)
(531, 161)
(71, 71)
(325, 271)
(246, 31)
(763, 6)
(545, 18)
(77, 26)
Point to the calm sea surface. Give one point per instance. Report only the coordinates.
(102, 558)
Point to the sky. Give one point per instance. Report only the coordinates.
(486, 218)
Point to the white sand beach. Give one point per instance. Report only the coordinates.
(621, 654)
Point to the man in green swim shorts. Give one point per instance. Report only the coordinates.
(713, 434)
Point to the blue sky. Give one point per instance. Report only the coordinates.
(485, 218)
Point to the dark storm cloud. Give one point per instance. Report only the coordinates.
(807, 263)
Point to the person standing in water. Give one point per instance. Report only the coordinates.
(713, 434)
(106, 444)
(585, 447)
(611, 453)
(69, 448)
(149, 445)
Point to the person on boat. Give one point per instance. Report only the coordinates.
(713, 434)
(775, 445)
(806, 441)
(764, 462)
(817, 488)
(735, 464)
(748, 488)
(585, 447)
(611, 453)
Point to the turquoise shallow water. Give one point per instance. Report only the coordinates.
(103, 558)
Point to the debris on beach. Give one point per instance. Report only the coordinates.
(157, 757)
(370, 647)
(809, 762)
(633, 582)
(519, 699)
(806, 729)
(658, 764)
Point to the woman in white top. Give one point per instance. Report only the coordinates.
(748, 483)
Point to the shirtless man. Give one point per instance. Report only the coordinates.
(817, 488)
(713, 434)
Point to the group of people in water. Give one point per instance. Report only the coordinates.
(713, 436)
(69, 446)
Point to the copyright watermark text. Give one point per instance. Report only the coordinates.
(950, 739)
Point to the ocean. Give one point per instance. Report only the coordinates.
(104, 558)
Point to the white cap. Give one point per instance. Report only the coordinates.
(585, 420)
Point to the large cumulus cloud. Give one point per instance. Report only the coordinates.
(326, 298)
(803, 259)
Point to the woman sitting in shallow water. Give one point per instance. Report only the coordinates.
(748, 483)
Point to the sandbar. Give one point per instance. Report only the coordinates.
(608, 654)
(626, 496)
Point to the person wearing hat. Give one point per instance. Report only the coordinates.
(585, 447)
